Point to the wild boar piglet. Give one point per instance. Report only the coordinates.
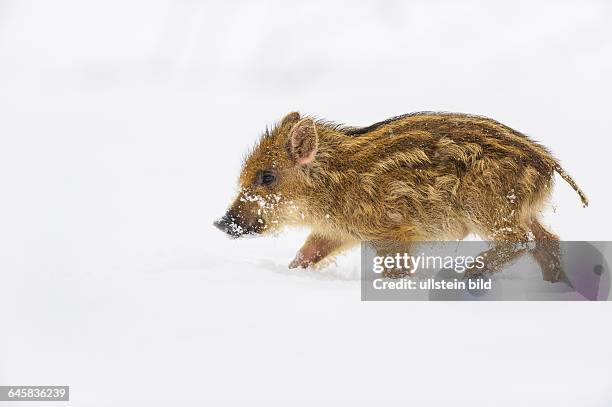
(417, 177)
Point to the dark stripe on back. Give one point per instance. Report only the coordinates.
(527, 145)
(356, 131)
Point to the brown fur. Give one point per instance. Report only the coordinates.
(418, 177)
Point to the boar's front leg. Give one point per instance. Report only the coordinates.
(315, 249)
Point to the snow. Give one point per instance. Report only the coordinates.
(122, 129)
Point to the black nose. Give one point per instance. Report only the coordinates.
(220, 224)
(228, 225)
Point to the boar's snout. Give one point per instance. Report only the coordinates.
(228, 224)
(235, 225)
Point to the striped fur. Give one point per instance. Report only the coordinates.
(420, 176)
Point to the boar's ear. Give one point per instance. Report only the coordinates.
(303, 141)
(290, 119)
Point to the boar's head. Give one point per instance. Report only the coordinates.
(273, 176)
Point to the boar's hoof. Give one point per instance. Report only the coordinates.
(300, 262)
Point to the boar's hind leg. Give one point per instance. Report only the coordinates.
(547, 253)
(508, 248)
(315, 249)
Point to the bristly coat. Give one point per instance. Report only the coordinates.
(416, 177)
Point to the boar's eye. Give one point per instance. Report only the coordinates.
(268, 177)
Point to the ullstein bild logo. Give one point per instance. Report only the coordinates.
(485, 271)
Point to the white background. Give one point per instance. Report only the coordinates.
(122, 128)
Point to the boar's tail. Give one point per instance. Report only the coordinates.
(570, 180)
